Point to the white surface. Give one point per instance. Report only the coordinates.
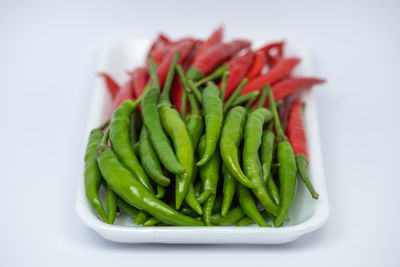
(47, 59)
(306, 215)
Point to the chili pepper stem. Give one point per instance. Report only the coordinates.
(195, 90)
(215, 75)
(235, 94)
(302, 164)
(224, 83)
(263, 95)
(104, 125)
(153, 71)
(281, 137)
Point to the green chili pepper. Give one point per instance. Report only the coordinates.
(151, 222)
(209, 173)
(92, 175)
(231, 136)
(152, 121)
(266, 152)
(141, 217)
(234, 95)
(214, 117)
(249, 206)
(177, 131)
(131, 211)
(111, 205)
(194, 121)
(302, 163)
(207, 210)
(228, 190)
(230, 218)
(120, 141)
(252, 142)
(247, 220)
(150, 161)
(195, 126)
(287, 168)
(123, 183)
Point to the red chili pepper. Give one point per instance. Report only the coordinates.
(273, 53)
(184, 48)
(160, 53)
(140, 77)
(159, 42)
(280, 71)
(257, 65)
(295, 130)
(125, 93)
(112, 86)
(215, 38)
(292, 85)
(238, 68)
(214, 57)
(297, 138)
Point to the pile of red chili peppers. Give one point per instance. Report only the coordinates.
(204, 133)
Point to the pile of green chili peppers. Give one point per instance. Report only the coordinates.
(221, 164)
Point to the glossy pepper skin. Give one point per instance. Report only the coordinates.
(280, 71)
(238, 68)
(150, 161)
(215, 38)
(290, 86)
(152, 121)
(249, 206)
(228, 190)
(195, 126)
(214, 57)
(92, 175)
(111, 205)
(120, 141)
(209, 175)
(247, 220)
(287, 168)
(252, 142)
(230, 218)
(297, 138)
(130, 210)
(231, 137)
(176, 129)
(266, 154)
(129, 189)
(257, 65)
(213, 116)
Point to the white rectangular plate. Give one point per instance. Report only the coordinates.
(306, 215)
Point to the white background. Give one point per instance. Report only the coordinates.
(47, 62)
